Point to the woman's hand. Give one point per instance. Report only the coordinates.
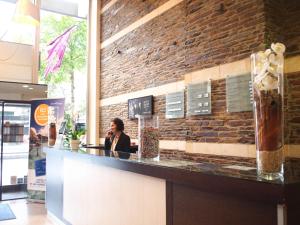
(109, 134)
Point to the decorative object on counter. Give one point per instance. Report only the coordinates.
(148, 137)
(199, 99)
(140, 106)
(52, 134)
(175, 105)
(52, 120)
(75, 139)
(239, 93)
(72, 131)
(267, 80)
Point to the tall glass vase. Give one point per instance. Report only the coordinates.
(267, 81)
(148, 137)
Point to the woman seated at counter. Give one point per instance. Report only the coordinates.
(116, 139)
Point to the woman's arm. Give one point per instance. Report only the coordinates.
(127, 144)
(108, 142)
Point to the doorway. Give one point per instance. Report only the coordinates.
(14, 132)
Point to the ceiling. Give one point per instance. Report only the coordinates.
(22, 91)
(75, 8)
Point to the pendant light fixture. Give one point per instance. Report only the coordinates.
(27, 13)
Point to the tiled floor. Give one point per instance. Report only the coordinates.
(27, 213)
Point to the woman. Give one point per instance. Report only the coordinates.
(116, 139)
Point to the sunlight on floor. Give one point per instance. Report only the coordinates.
(27, 213)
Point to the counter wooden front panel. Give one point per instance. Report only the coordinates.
(192, 206)
(95, 194)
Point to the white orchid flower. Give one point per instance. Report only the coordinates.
(278, 48)
(268, 52)
(269, 82)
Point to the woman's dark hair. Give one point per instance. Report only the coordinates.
(119, 123)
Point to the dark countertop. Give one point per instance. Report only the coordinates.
(220, 177)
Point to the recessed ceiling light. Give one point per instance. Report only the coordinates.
(30, 88)
(25, 86)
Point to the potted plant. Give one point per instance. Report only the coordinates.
(75, 139)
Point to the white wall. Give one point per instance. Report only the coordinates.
(16, 62)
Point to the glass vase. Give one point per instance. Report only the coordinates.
(267, 83)
(148, 137)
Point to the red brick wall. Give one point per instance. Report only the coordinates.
(219, 127)
(283, 24)
(124, 13)
(292, 115)
(291, 28)
(104, 2)
(215, 37)
(193, 35)
(275, 17)
(146, 56)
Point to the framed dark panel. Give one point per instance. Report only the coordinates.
(175, 105)
(140, 106)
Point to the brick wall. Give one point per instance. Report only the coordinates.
(283, 24)
(275, 17)
(104, 2)
(219, 127)
(215, 36)
(292, 115)
(291, 27)
(146, 54)
(193, 35)
(124, 13)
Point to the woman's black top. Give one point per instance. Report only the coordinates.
(122, 145)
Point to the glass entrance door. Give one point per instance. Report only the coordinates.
(1, 145)
(15, 150)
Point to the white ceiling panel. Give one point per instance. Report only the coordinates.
(75, 8)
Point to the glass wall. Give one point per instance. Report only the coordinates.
(15, 150)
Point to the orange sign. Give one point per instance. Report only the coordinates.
(41, 115)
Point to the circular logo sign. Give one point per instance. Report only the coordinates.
(41, 115)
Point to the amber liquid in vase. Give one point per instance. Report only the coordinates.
(269, 136)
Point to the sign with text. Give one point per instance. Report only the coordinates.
(239, 93)
(199, 99)
(175, 105)
(46, 114)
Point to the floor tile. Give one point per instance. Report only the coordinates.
(27, 213)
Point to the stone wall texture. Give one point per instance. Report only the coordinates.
(194, 35)
(291, 28)
(124, 13)
(292, 108)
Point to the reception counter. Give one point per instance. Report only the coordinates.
(86, 189)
